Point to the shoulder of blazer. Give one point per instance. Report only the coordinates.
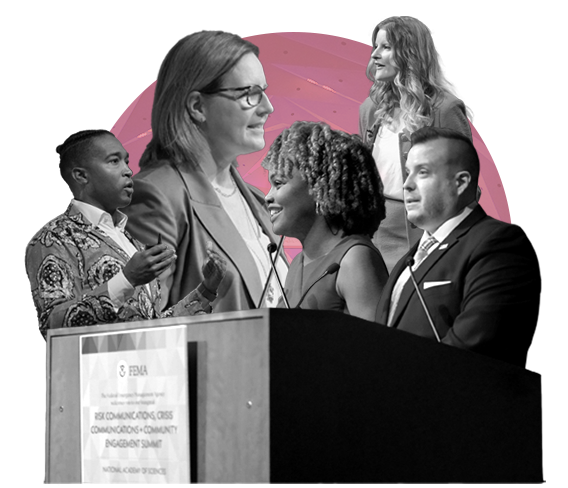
(367, 109)
(476, 227)
(448, 102)
(167, 176)
(163, 176)
(473, 218)
(450, 112)
(486, 227)
(477, 215)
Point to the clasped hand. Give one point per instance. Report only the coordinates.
(213, 269)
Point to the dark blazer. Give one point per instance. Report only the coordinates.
(178, 202)
(482, 288)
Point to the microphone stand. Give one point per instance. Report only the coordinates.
(410, 263)
(331, 269)
(271, 248)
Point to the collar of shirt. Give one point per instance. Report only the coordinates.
(446, 228)
(98, 216)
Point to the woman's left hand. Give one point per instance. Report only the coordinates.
(214, 269)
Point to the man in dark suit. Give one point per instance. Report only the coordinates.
(479, 277)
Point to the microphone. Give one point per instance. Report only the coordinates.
(410, 263)
(331, 269)
(271, 248)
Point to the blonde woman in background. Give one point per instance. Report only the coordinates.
(409, 92)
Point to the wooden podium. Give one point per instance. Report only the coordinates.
(309, 396)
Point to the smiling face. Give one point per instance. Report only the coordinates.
(233, 127)
(383, 57)
(433, 186)
(107, 179)
(292, 209)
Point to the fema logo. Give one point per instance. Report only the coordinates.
(122, 369)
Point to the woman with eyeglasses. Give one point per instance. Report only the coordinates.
(409, 92)
(209, 107)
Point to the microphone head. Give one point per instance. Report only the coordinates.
(410, 261)
(271, 247)
(332, 268)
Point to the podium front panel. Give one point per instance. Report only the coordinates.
(310, 396)
(229, 397)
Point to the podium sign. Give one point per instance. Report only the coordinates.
(134, 406)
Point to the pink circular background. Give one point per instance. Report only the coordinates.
(312, 75)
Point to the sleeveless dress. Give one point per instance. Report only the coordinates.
(323, 295)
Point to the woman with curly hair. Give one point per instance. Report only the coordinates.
(409, 92)
(326, 192)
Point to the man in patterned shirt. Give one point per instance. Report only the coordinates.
(83, 267)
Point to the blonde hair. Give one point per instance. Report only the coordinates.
(419, 86)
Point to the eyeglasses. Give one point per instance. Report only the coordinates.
(253, 93)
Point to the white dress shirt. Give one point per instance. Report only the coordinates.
(119, 288)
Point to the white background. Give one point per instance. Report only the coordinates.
(73, 66)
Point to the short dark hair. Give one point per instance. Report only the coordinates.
(75, 148)
(340, 171)
(467, 156)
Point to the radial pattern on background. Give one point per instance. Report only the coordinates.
(312, 75)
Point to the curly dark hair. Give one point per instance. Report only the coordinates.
(340, 171)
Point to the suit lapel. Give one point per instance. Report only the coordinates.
(406, 291)
(429, 262)
(463, 228)
(385, 301)
(209, 210)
